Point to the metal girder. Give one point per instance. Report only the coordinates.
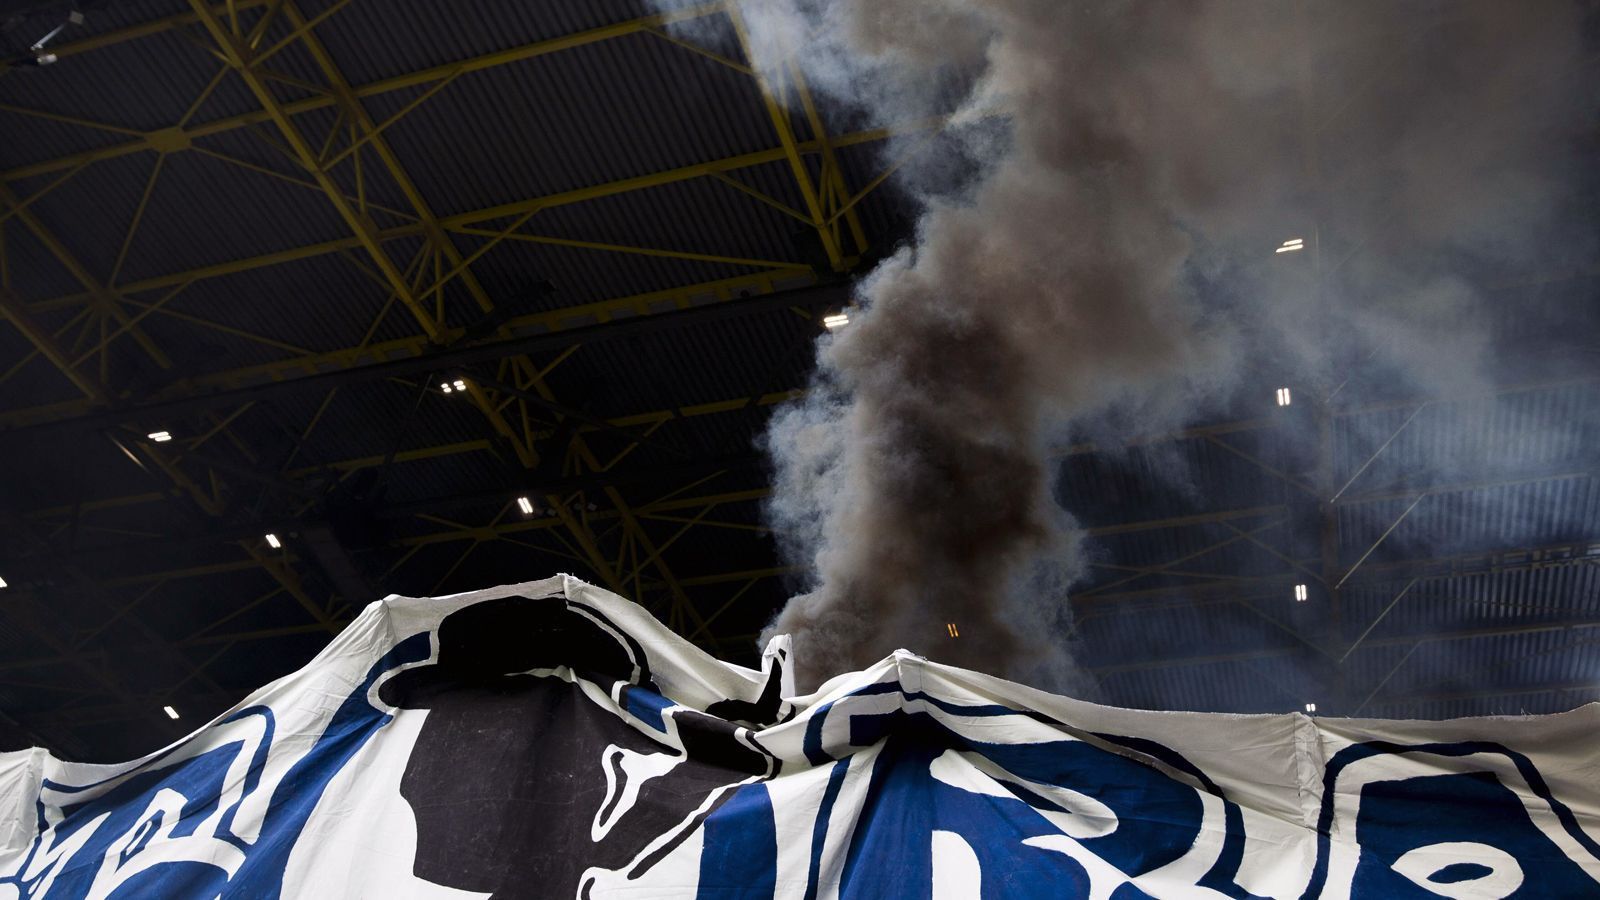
(1163, 568)
(365, 230)
(202, 14)
(1219, 517)
(681, 604)
(507, 210)
(836, 196)
(564, 320)
(637, 305)
(772, 97)
(212, 507)
(107, 300)
(489, 532)
(41, 338)
(97, 393)
(373, 137)
(775, 265)
(577, 523)
(813, 298)
(579, 529)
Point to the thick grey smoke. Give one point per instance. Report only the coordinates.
(1110, 262)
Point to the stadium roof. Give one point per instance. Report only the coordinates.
(382, 269)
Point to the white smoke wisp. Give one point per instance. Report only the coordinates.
(1077, 273)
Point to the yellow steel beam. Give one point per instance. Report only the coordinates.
(204, 95)
(138, 216)
(556, 320)
(682, 173)
(365, 231)
(100, 295)
(209, 503)
(398, 82)
(368, 462)
(201, 321)
(586, 540)
(286, 577)
(81, 317)
(217, 270)
(371, 130)
(832, 172)
(749, 191)
(145, 309)
(525, 452)
(372, 134)
(302, 29)
(309, 185)
(41, 338)
(212, 505)
(638, 251)
(68, 120)
(521, 207)
(847, 208)
(772, 98)
(698, 50)
(680, 600)
(495, 238)
(501, 529)
(27, 201)
(726, 605)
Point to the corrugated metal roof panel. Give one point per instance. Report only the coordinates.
(145, 84)
(42, 276)
(372, 42)
(204, 211)
(560, 125)
(37, 382)
(316, 304)
(1451, 442)
(1526, 514)
(31, 138)
(582, 275)
(91, 212)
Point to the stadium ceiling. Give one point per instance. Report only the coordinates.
(440, 296)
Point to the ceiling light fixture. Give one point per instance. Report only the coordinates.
(171, 713)
(1311, 707)
(835, 321)
(1283, 397)
(273, 542)
(160, 437)
(526, 505)
(1300, 593)
(1291, 245)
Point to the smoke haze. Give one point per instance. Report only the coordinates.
(1101, 266)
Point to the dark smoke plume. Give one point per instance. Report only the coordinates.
(1109, 260)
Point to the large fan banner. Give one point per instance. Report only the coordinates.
(551, 739)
